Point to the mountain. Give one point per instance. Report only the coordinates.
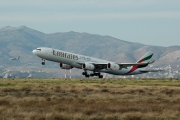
(20, 41)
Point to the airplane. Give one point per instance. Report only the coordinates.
(68, 60)
(15, 58)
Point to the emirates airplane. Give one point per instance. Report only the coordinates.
(15, 58)
(69, 60)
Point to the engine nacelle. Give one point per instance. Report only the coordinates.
(113, 66)
(65, 66)
(88, 66)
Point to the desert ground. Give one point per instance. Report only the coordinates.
(89, 99)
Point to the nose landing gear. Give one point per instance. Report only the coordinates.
(43, 62)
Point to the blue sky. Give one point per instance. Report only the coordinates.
(150, 22)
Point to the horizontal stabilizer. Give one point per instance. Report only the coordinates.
(125, 65)
(145, 71)
(152, 61)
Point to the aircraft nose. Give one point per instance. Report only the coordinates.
(34, 51)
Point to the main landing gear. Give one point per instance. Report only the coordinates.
(85, 74)
(43, 62)
(92, 74)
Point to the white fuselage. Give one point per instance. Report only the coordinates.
(75, 59)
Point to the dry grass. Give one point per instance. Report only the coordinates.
(93, 99)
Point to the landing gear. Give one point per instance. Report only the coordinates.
(92, 74)
(96, 74)
(85, 74)
(43, 62)
(100, 76)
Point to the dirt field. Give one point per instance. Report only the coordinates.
(89, 99)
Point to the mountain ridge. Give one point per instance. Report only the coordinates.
(20, 41)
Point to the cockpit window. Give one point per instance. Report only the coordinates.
(38, 49)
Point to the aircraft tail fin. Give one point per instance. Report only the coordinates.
(146, 58)
(18, 57)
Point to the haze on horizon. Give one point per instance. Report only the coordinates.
(150, 22)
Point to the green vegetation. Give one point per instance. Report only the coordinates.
(89, 99)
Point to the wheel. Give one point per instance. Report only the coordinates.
(97, 74)
(43, 63)
(91, 74)
(86, 75)
(100, 76)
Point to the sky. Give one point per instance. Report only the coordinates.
(150, 22)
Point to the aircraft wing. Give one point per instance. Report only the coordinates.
(103, 65)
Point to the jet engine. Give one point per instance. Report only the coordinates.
(88, 66)
(113, 66)
(65, 66)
